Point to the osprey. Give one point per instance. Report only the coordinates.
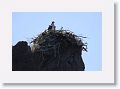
(52, 26)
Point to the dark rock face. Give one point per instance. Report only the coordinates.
(21, 56)
(65, 56)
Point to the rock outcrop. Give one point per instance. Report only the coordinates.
(52, 50)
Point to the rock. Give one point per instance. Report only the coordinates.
(56, 50)
(21, 56)
(60, 55)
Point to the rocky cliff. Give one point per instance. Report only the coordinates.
(52, 50)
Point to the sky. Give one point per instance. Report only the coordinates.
(26, 25)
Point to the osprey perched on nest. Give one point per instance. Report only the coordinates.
(35, 45)
(61, 46)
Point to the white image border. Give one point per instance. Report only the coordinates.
(104, 76)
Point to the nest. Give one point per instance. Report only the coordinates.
(52, 38)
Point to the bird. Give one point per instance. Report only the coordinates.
(52, 26)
